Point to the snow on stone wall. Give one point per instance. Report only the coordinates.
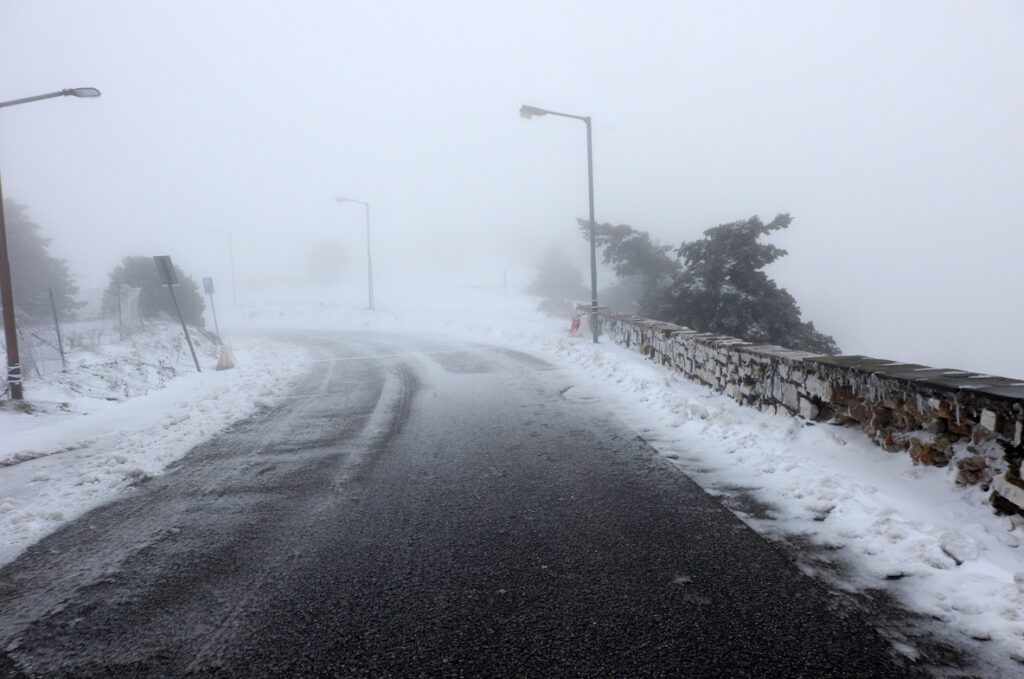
(937, 416)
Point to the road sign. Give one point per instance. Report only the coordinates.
(168, 278)
(165, 269)
(208, 286)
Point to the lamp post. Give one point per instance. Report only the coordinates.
(6, 287)
(231, 254)
(369, 259)
(531, 112)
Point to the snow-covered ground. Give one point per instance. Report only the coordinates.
(124, 410)
(866, 521)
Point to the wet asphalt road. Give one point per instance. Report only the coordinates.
(423, 508)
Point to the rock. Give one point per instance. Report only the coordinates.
(908, 422)
(916, 449)
(842, 394)
(881, 417)
(941, 451)
(927, 456)
(861, 412)
(818, 388)
(942, 408)
(808, 410)
(963, 429)
(893, 445)
(790, 396)
(965, 477)
(1001, 504)
(974, 463)
(1006, 497)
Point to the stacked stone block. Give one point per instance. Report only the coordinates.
(936, 416)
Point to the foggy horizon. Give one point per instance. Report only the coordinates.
(891, 134)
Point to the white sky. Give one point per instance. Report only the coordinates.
(890, 131)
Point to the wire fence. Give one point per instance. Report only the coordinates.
(45, 346)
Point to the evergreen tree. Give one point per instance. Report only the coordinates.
(34, 271)
(557, 278)
(718, 286)
(644, 268)
(623, 295)
(154, 299)
(723, 289)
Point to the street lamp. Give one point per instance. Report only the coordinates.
(231, 254)
(6, 288)
(369, 259)
(532, 112)
(81, 92)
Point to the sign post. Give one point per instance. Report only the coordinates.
(168, 277)
(208, 289)
(60, 340)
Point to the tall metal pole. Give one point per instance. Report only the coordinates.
(369, 258)
(60, 339)
(231, 254)
(7, 298)
(6, 288)
(216, 325)
(593, 239)
(533, 111)
(188, 339)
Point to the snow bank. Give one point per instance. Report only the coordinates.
(121, 412)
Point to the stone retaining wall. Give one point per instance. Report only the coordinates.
(937, 416)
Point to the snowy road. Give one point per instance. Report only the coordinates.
(423, 507)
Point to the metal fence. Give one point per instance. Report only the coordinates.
(44, 346)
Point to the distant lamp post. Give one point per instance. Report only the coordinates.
(231, 255)
(6, 288)
(531, 112)
(369, 258)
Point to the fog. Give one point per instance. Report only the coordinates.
(890, 131)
